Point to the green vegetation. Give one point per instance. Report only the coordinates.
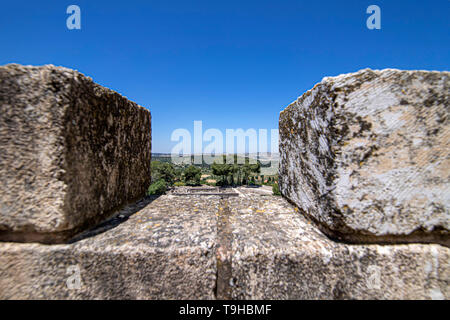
(163, 171)
(158, 187)
(239, 172)
(192, 176)
(276, 189)
(236, 174)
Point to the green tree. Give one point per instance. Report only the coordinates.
(222, 170)
(248, 169)
(192, 176)
(163, 171)
(178, 174)
(256, 168)
(234, 171)
(158, 187)
(276, 189)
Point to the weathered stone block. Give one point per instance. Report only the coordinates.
(366, 156)
(278, 254)
(155, 249)
(71, 152)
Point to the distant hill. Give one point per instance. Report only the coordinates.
(264, 158)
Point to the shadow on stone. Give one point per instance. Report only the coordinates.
(114, 221)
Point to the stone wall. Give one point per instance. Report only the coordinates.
(159, 249)
(251, 246)
(365, 155)
(71, 152)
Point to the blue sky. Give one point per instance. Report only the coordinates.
(231, 64)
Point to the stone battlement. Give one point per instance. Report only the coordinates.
(365, 155)
(364, 170)
(72, 153)
(206, 247)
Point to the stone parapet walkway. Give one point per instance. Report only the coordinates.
(251, 246)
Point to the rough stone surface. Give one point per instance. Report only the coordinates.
(366, 156)
(71, 152)
(278, 254)
(253, 246)
(158, 249)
